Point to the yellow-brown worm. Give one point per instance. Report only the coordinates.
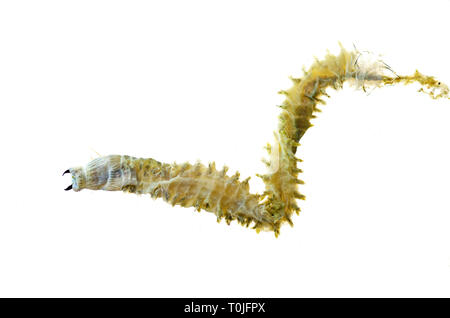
(206, 188)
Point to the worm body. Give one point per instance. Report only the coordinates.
(205, 188)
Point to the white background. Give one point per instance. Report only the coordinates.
(187, 80)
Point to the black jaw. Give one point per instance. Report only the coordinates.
(69, 187)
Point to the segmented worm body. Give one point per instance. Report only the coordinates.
(206, 188)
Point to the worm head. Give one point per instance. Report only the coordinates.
(104, 173)
(78, 179)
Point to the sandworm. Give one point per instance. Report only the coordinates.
(206, 188)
